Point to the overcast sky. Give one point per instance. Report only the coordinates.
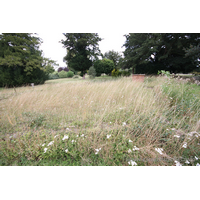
(54, 50)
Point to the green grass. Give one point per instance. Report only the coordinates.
(112, 114)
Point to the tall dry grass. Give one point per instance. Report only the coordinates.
(125, 110)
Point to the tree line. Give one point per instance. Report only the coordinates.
(21, 61)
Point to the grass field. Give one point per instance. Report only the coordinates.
(101, 122)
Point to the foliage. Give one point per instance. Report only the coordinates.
(92, 72)
(82, 48)
(115, 73)
(54, 75)
(163, 72)
(104, 66)
(70, 74)
(21, 60)
(155, 51)
(63, 69)
(48, 65)
(193, 52)
(77, 76)
(60, 69)
(114, 56)
(62, 74)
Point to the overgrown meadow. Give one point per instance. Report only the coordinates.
(101, 122)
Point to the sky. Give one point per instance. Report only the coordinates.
(54, 50)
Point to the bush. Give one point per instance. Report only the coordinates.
(92, 72)
(104, 66)
(76, 76)
(54, 75)
(115, 73)
(70, 74)
(62, 74)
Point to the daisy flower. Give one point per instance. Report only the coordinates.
(129, 151)
(124, 124)
(97, 150)
(108, 136)
(187, 162)
(65, 137)
(135, 148)
(45, 149)
(177, 163)
(66, 150)
(133, 163)
(159, 150)
(50, 143)
(185, 145)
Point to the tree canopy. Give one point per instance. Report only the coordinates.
(82, 49)
(114, 56)
(150, 52)
(21, 61)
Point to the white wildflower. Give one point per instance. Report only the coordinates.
(82, 135)
(67, 129)
(159, 150)
(185, 145)
(43, 144)
(124, 124)
(197, 164)
(196, 158)
(130, 141)
(108, 136)
(50, 143)
(167, 129)
(173, 129)
(97, 150)
(177, 163)
(170, 97)
(55, 136)
(45, 149)
(133, 163)
(178, 136)
(77, 136)
(73, 141)
(110, 122)
(66, 150)
(129, 151)
(65, 137)
(187, 162)
(135, 148)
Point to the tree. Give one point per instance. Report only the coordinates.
(104, 66)
(194, 53)
(114, 56)
(82, 49)
(150, 52)
(48, 65)
(21, 60)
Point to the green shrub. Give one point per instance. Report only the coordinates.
(76, 76)
(92, 72)
(54, 75)
(104, 66)
(115, 73)
(62, 74)
(70, 74)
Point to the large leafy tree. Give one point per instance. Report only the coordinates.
(150, 52)
(21, 60)
(114, 56)
(82, 49)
